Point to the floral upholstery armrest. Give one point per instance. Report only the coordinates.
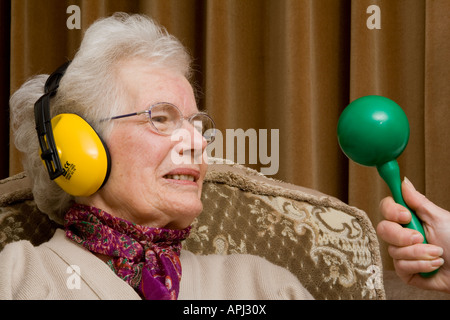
(331, 247)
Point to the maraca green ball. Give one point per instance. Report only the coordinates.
(373, 130)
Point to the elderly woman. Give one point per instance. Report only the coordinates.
(125, 218)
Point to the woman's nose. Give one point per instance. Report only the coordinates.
(198, 142)
(190, 144)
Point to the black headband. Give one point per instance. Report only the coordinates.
(44, 126)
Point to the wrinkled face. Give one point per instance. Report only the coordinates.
(146, 185)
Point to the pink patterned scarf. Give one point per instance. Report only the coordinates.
(146, 258)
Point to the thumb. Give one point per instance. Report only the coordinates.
(417, 201)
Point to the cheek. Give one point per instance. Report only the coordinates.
(124, 151)
(137, 151)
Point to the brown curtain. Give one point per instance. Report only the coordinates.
(290, 65)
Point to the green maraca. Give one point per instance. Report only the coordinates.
(374, 131)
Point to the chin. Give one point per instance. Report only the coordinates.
(193, 210)
(187, 211)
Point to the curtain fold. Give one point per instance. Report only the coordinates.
(288, 67)
(436, 112)
(283, 66)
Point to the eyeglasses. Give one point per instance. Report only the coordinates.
(165, 118)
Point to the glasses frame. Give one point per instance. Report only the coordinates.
(182, 118)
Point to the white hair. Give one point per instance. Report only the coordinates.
(91, 89)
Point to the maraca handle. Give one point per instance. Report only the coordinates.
(390, 172)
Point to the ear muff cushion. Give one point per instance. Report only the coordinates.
(84, 156)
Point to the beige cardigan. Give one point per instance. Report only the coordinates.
(61, 269)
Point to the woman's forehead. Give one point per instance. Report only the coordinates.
(146, 84)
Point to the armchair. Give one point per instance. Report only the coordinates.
(330, 246)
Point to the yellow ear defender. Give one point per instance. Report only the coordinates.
(75, 156)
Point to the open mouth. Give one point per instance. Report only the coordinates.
(187, 175)
(184, 177)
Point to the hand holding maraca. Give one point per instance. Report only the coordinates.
(374, 131)
(405, 245)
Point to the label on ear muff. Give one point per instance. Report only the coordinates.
(84, 157)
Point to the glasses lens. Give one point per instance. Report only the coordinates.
(205, 125)
(165, 118)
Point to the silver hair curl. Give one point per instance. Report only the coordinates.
(91, 89)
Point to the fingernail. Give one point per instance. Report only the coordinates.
(437, 252)
(437, 262)
(405, 215)
(417, 238)
(406, 180)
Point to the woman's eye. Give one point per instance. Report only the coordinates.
(160, 119)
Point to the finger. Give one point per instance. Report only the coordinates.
(415, 252)
(417, 201)
(408, 267)
(395, 212)
(396, 235)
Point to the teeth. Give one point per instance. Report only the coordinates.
(180, 177)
